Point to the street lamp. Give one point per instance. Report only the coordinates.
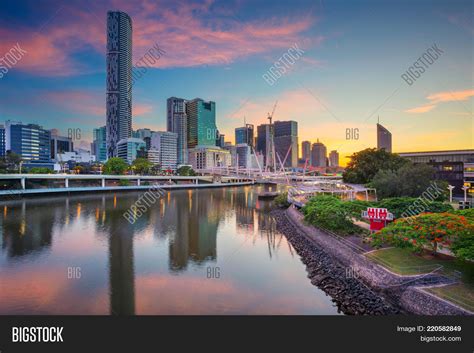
(21, 163)
(465, 188)
(450, 187)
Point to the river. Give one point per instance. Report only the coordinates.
(206, 251)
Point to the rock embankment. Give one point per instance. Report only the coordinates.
(356, 284)
(351, 295)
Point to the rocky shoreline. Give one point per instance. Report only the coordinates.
(357, 285)
(350, 295)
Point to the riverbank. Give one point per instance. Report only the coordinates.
(356, 284)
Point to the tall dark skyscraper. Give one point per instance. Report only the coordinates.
(306, 151)
(384, 138)
(286, 139)
(245, 134)
(201, 123)
(119, 79)
(263, 142)
(176, 121)
(319, 155)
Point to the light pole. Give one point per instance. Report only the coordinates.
(465, 188)
(21, 163)
(450, 187)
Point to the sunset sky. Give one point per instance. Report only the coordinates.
(354, 55)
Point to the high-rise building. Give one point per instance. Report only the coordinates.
(220, 142)
(99, 144)
(142, 133)
(263, 141)
(153, 156)
(119, 80)
(243, 155)
(166, 143)
(286, 142)
(319, 155)
(245, 135)
(334, 159)
(177, 122)
(30, 141)
(2, 140)
(306, 151)
(384, 138)
(129, 149)
(201, 123)
(60, 144)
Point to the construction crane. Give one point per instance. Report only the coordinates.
(271, 160)
(270, 116)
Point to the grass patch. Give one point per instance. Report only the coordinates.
(404, 262)
(459, 293)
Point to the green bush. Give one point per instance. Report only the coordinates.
(331, 213)
(282, 200)
(124, 182)
(400, 205)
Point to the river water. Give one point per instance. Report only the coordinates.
(207, 251)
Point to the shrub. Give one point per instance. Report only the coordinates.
(412, 206)
(124, 182)
(282, 200)
(330, 213)
(432, 231)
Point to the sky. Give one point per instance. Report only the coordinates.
(347, 73)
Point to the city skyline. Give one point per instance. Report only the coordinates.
(65, 82)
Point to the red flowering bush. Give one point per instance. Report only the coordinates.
(429, 231)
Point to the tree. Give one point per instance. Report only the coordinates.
(115, 166)
(366, 163)
(141, 166)
(409, 180)
(431, 231)
(40, 170)
(10, 163)
(186, 170)
(155, 169)
(78, 169)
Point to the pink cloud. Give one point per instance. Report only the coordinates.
(141, 109)
(77, 101)
(442, 97)
(422, 109)
(191, 35)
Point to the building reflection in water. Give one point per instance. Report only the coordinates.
(189, 219)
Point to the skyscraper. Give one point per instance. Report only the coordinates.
(60, 144)
(2, 140)
(286, 143)
(30, 141)
(176, 122)
(264, 133)
(245, 135)
(99, 144)
(166, 143)
(334, 159)
(129, 149)
(306, 151)
(201, 123)
(318, 155)
(384, 138)
(119, 79)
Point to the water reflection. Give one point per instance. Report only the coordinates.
(156, 265)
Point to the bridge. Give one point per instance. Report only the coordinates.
(22, 184)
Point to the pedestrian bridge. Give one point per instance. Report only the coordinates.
(23, 184)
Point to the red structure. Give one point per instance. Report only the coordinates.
(378, 217)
